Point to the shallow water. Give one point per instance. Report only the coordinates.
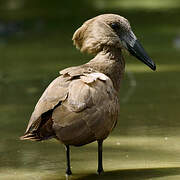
(144, 145)
(127, 157)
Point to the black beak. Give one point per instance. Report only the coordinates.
(138, 51)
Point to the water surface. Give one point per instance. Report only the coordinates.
(144, 145)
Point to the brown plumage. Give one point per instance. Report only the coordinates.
(81, 105)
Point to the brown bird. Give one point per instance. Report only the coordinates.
(81, 105)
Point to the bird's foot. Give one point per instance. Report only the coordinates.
(100, 171)
(68, 172)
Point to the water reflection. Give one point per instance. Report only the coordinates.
(154, 156)
(136, 174)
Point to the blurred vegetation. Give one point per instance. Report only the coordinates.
(29, 9)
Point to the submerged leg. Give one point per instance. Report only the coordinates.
(100, 166)
(68, 170)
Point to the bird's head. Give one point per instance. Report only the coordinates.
(113, 31)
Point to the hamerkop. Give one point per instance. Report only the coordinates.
(81, 105)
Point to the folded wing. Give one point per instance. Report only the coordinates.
(76, 109)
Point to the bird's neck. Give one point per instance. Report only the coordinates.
(111, 63)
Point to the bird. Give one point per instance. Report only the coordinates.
(81, 105)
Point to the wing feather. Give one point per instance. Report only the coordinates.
(92, 105)
(57, 91)
(82, 106)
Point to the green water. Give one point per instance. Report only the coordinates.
(146, 142)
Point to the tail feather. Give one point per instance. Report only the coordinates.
(31, 136)
(40, 129)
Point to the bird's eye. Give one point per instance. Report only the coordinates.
(114, 26)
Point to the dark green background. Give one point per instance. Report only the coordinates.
(35, 43)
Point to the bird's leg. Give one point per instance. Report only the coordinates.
(100, 166)
(68, 170)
